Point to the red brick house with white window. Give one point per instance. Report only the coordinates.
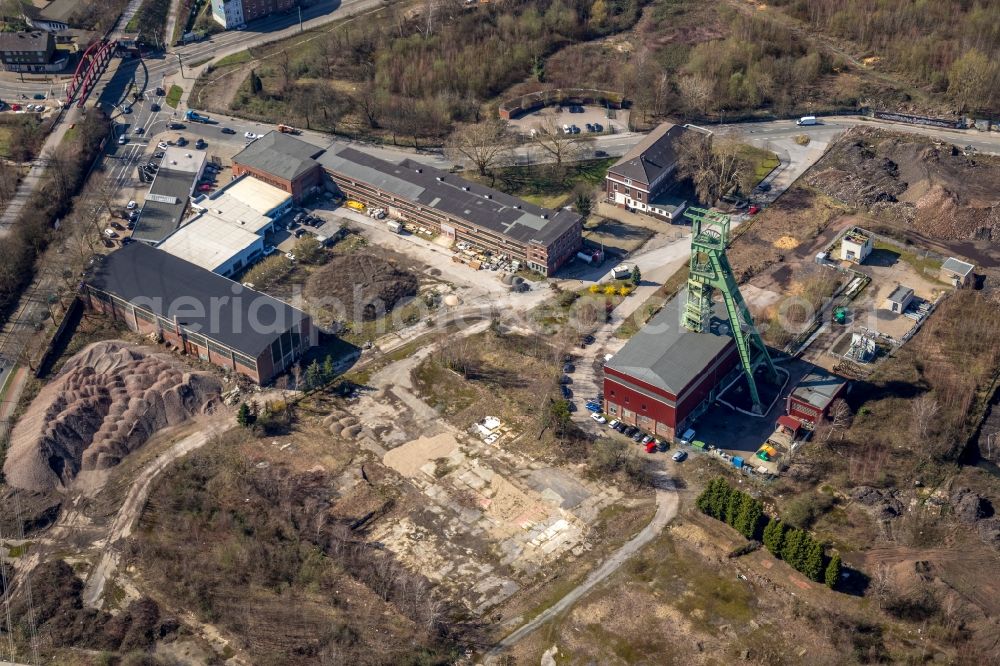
(642, 180)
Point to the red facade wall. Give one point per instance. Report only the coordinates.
(727, 360)
(642, 405)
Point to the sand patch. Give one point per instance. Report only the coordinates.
(786, 243)
(410, 457)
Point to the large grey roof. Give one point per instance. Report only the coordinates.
(280, 155)
(488, 208)
(666, 355)
(900, 293)
(245, 320)
(35, 41)
(818, 388)
(159, 219)
(651, 156)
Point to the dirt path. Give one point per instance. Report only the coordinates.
(666, 509)
(134, 502)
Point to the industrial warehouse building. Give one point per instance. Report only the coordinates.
(199, 312)
(227, 232)
(162, 211)
(284, 162)
(461, 210)
(667, 375)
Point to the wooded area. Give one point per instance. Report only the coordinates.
(949, 46)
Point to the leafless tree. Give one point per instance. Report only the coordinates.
(561, 145)
(372, 103)
(715, 165)
(925, 408)
(840, 418)
(881, 583)
(486, 144)
(696, 91)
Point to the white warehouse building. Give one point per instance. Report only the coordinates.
(228, 231)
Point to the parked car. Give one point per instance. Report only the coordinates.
(162, 146)
(131, 205)
(200, 144)
(181, 141)
(650, 446)
(160, 92)
(753, 209)
(228, 130)
(679, 456)
(597, 417)
(205, 187)
(621, 427)
(175, 126)
(688, 436)
(613, 423)
(566, 392)
(140, 130)
(110, 233)
(630, 430)
(593, 407)
(566, 379)
(250, 135)
(39, 96)
(126, 109)
(154, 107)
(299, 233)
(600, 153)
(662, 445)
(569, 367)
(122, 140)
(637, 437)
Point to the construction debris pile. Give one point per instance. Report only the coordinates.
(107, 401)
(942, 191)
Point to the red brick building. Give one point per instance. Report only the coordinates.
(810, 400)
(641, 180)
(666, 376)
(199, 312)
(282, 161)
(460, 209)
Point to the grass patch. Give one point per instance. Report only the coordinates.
(926, 266)
(240, 58)
(197, 63)
(20, 550)
(763, 161)
(548, 185)
(174, 95)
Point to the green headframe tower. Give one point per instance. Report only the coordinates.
(710, 271)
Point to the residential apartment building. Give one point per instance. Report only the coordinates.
(541, 239)
(33, 51)
(642, 179)
(236, 13)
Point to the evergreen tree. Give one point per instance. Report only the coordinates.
(791, 545)
(314, 376)
(719, 497)
(812, 563)
(774, 535)
(636, 276)
(704, 501)
(733, 502)
(243, 416)
(328, 371)
(832, 576)
(751, 511)
(256, 85)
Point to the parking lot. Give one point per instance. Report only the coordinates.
(580, 116)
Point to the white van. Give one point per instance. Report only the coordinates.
(807, 120)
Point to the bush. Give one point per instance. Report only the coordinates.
(805, 509)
